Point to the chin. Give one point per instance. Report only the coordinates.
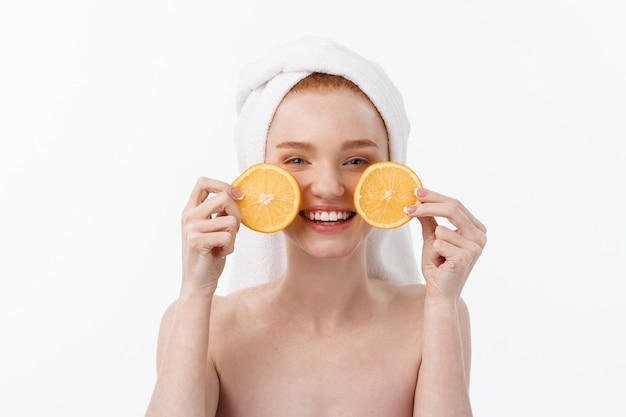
(327, 246)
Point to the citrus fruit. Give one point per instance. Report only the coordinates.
(383, 191)
(271, 197)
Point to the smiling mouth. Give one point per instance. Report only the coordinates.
(327, 217)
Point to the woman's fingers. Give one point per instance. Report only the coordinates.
(210, 222)
(205, 187)
(455, 245)
(211, 199)
(448, 255)
(429, 225)
(219, 243)
(214, 206)
(213, 223)
(437, 205)
(228, 224)
(452, 206)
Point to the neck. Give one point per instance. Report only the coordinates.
(325, 293)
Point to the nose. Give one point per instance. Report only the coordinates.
(327, 183)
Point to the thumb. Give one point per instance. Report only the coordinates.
(429, 224)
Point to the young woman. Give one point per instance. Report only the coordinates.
(326, 336)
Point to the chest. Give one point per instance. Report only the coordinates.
(368, 372)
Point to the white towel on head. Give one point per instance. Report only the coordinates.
(259, 258)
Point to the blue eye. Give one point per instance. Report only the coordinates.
(296, 161)
(357, 161)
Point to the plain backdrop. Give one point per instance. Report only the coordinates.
(110, 110)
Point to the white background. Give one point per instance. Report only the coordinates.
(110, 110)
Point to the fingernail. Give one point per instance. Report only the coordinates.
(236, 194)
(409, 210)
(419, 192)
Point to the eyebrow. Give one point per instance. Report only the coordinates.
(292, 144)
(358, 143)
(306, 146)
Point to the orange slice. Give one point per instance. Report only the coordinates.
(382, 192)
(271, 197)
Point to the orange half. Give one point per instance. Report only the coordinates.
(271, 197)
(383, 191)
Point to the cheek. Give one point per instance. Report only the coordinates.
(301, 178)
(352, 180)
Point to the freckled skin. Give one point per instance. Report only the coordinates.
(314, 357)
(324, 339)
(272, 363)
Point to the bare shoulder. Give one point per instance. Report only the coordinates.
(413, 293)
(406, 302)
(233, 313)
(400, 295)
(226, 310)
(247, 299)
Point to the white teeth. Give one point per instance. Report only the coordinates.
(328, 216)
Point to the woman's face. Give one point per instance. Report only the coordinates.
(326, 138)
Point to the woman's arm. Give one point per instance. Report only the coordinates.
(448, 257)
(187, 382)
(443, 378)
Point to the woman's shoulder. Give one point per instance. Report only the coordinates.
(400, 292)
(243, 296)
(242, 305)
(403, 304)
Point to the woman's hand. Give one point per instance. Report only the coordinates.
(210, 222)
(448, 256)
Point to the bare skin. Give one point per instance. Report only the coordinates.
(324, 339)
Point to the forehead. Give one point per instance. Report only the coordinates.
(328, 113)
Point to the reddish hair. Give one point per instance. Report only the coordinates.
(322, 81)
